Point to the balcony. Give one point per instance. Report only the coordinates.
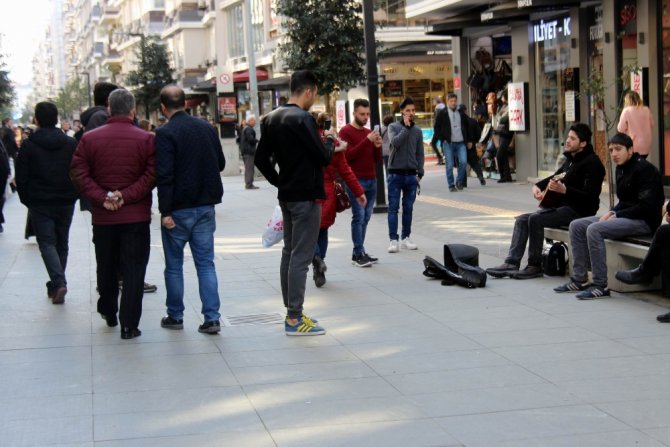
(177, 20)
(109, 15)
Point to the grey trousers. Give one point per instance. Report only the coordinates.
(301, 230)
(587, 244)
(249, 170)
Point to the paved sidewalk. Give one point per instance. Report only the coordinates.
(406, 361)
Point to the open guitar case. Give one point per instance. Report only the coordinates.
(461, 267)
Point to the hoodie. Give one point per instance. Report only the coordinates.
(43, 169)
(94, 117)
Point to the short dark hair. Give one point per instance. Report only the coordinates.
(173, 97)
(361, 102)
(302, 80)
(121, 102)
(406, 102)
(101, 92)
(452, 95)
(621, 139)
(388, 119)
(46, 114)
(5, 121)
(582, 130)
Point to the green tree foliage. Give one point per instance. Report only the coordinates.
(153, 73)
(326, 38)
(7, 93)
(72, 98)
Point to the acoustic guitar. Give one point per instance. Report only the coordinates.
(551, 199)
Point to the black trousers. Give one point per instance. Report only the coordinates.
(658, 257)
(502, 158)
(475, 163)
(121, 249)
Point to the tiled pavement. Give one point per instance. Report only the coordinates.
(406, 362)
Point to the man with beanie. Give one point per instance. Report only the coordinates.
(576, 187)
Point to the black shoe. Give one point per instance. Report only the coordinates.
(452, 189)
(665, 318)
(59, 295)
(572, 286)
(371, 258)
(168, 322)
(361, 260)
(111, 320)
(319, 278)
(51, 290)
(210, 327)
(528, 272)
(128, 333)
(482, 181)
(319, 264)
(635, 276)
(503, 270)
(2, 230)
(459, 186)
(150, 288)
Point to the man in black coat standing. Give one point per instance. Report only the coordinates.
(44, 186)
(248, 144)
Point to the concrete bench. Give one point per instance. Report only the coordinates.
(624, 254)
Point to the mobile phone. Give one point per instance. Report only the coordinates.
(327, 124)
(376, 129)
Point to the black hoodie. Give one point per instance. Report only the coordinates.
(94, 117)
(43, 169)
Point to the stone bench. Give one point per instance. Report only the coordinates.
(624, 254)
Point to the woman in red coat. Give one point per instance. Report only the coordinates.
(338, 166)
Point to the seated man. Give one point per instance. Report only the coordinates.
(576, 187)
(657, 261)
(640, 193)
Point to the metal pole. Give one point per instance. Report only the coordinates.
(373, 94)
(88, 85)
(251, 58)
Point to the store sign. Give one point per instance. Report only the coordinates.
(392, 88)
(636, 82)
(570, 106)
(596, 30)
(516, 106)
(340, 113)
(524, 3)
(551, 30)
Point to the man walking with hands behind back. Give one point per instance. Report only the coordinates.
(189, 161)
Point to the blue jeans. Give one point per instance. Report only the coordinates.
(195, 226)
(361, 216)
(407, 184)
(455, 150)
(322, 243)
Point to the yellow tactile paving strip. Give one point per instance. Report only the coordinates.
(500, 212)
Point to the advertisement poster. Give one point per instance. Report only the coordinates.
(227, 108)
(516, 106)
(340, 114)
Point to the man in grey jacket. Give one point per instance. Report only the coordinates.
(405, 169)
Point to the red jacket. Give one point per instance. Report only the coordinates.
(116, 156)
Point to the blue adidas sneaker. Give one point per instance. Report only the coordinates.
(304, 327)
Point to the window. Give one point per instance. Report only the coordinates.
(235, 26)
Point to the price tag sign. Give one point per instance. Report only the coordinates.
(516, 106)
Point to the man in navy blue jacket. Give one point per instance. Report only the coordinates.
(189, 160)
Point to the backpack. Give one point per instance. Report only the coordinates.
(555, 259)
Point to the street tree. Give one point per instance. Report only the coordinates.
(326, 38)
(152, 74)
(72, 98)
(7, 93)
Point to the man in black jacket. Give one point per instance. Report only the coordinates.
(248, 144)
(290, 135)
(640, 192)
(44, 186)
(576, 187)
(189, 159)
(451, 128)
(474, 133)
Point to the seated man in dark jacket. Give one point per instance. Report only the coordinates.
(44, 186)
(640, 192)
(576, 188)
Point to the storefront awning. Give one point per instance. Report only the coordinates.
(417, 49)
(243, 76)
(281, 81)
(208, 85)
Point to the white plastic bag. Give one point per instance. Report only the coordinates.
(274, 232)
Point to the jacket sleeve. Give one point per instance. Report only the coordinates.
(419, 154)
(343, 168)
(437, 128)
(220, 158)
(165, 167)
(22, 174)
(263, 155)
(321, 153)
(355, 151)
(141, 187)
(646, 182)
(592, 186)
(474, 132)
(80, 173)
(400, 136)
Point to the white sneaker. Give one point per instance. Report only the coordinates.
(393, 247)
(406, 244)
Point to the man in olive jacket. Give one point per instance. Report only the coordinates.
(576, 187)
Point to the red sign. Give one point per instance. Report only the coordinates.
(457, 82)
(224, 78)
(227, 108)
(516, 106)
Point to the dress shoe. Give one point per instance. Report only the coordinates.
(503, 270)
(665, 318)
(528, 272)
(111, 320)
(59, 295)
(128, 333)
(482, 181)
(251, 187)
(636, 276)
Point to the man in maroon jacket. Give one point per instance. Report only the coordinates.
(364, 151)
(114, 167)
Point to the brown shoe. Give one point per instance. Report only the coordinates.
(59, 296)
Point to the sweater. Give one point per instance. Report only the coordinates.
(362, 155)
(406, 149)
(637, 123)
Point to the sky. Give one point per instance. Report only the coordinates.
(22, 24)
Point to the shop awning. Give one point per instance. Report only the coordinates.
(417, 49)
(243, 76)
(208, 85)
(194, 102)
(281, 81)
